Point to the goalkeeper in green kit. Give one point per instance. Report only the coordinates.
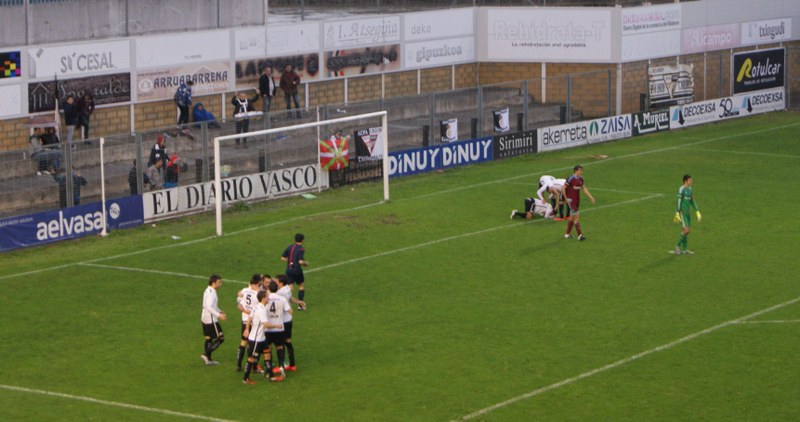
(683, 214)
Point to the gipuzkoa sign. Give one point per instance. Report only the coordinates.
(184, 199)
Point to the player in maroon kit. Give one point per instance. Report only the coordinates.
(572, 191)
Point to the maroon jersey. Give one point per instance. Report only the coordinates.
(574, 186)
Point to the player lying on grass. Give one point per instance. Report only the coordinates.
(534, 206)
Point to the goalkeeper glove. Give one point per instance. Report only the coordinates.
(677, 217)
(699, 216)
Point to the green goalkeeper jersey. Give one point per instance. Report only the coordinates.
(686, 199)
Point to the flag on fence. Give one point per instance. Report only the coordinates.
(333, 154)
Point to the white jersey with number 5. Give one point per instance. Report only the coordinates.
(276, 307)
(247, 298)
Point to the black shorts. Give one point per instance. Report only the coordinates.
(255, 348)
(529, 202)
(287, 330)
(212, 330)
(295, 277)
(275, 337)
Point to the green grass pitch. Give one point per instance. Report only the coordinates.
(436, 307)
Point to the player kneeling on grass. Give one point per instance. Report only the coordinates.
(534, 206)
(257, 323)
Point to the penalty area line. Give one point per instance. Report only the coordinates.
(111, 403)
(144, 270)
(625, 361)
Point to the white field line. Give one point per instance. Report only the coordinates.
(764, 154)
(462, 235)
(169, 273)
(774, 321)
(626, 360)
(377, 255)
(111, 403)
(446, 191)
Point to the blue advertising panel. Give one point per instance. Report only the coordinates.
(69, 223)
(421, 160)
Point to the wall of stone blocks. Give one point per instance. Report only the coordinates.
(321, 93)
(366, 88)
(436, 79)
(401, 84)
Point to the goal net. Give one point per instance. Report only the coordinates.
(291, 160)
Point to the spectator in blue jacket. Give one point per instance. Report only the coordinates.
(183, 99)
(200, 114)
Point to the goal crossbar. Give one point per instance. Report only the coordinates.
(217, 140)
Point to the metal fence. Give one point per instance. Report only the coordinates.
(413, 122)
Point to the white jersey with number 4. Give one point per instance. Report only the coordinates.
(276, 308)
(247, 298)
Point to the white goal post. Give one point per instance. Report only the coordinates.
(219, 139)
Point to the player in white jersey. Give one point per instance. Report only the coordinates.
(210, 317)
(277, 307)
(534, 206)
(556, 198)
(245, 301)
(257, 322)
(285, 291)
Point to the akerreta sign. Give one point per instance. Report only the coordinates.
(197, 197)
(650, 121)
(563, 136)
(757, 70)
(513, 144)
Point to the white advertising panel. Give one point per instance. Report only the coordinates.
(761, 101)
(12, 100)
(651, 45)
(552, 34)
(439, 52)
(80, 59)
(740, 105)
(292, 39)
(182, 49)
(609, 128)
(200, 196)
(250, 43)
(361, 32)
(161, 84)
(710, 38)
(440, 24)
(640, 20)
(769, 31)
(563, 136)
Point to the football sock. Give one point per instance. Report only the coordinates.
(561, 211)
(578, 228)
(247, 368)
(281, 356)
(239, 356)
(207, 348)
(290, 349)
(569, 226)
(267, 365)
(685, 242)
(301, 294)
(215, 344)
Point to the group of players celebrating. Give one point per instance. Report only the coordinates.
(266, 311)
(266, 323)
(564, 195)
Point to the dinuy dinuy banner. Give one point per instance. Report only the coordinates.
(69, 223)
(421, 160)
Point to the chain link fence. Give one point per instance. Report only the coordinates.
(414, 121)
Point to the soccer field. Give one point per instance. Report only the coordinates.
(436, 307)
